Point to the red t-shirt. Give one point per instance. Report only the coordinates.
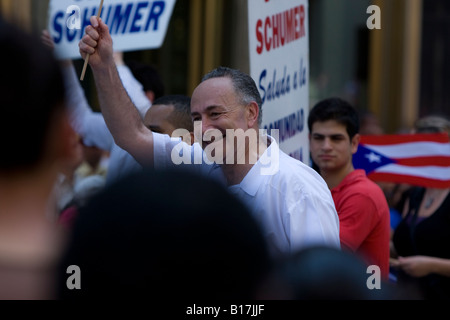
(364, 219)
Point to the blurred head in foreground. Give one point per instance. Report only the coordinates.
(165, 235)
(322, 273)
(37, 141)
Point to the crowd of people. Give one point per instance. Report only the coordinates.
(145, 207)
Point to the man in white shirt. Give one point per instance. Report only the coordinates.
(290, 200)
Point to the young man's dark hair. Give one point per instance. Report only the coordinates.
(243, 84)
(31, 94)
(338, 110)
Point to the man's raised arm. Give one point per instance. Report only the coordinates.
(122, 118)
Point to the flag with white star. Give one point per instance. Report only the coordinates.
(416, 159)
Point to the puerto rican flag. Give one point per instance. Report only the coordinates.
(416, 159)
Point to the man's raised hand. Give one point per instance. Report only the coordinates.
(97, 42)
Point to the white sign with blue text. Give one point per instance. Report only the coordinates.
(279, 64)
(134, 24)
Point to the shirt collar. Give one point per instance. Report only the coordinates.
(253, 179)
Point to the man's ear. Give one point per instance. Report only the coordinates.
(355, 143)
(252, 112)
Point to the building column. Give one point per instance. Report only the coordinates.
(394, 76)
(205, 46)
(17, 12)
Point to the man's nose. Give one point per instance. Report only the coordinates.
(326, 144)
(206, 125)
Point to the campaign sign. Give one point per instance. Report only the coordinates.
(279, 64)
(134, 24)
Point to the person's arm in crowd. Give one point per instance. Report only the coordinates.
(133, 87)
(88, 124)
(121, 116)
(420, 266)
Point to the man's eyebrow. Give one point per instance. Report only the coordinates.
(336, 135)
(213, 107)
(318, 135)
(209, 108)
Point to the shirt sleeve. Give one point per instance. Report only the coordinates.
(88, 124)
(121, 164)
(134, 89)
(171, 152)
(312, 217)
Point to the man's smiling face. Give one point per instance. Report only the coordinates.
(215, 103)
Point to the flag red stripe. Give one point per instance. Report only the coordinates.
(424, 161)
(418, 181)
(404, 138)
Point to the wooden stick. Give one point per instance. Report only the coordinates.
(86, 61)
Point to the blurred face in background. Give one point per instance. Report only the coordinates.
(157, 119)
(331, 147)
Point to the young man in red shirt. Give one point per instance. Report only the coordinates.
(361, 205)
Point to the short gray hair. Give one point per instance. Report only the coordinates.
(243, 84)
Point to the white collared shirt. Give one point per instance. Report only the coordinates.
(292, 204)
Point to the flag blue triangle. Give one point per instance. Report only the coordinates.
(369, 160)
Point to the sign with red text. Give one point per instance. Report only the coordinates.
(279, 64)
(134, 24)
